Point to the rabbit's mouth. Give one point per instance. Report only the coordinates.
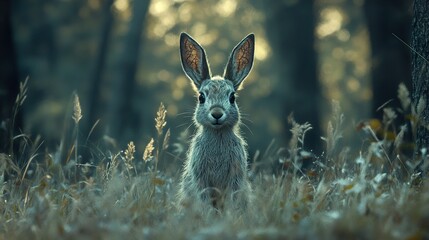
(217, 123)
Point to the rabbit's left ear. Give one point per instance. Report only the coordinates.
(240, 61)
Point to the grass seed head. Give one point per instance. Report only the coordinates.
(22, 95)
(129, 152)
(160, 121)
(404, 96)
(421, 106)
(77, 111)
(147, 155)
(129, 155)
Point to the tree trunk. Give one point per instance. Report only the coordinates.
(420, 70)
(95, 101)
(9, 82)
(124, 119)
(290, 29)
(390, 57)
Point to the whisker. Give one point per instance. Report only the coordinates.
(181, 125)
(186, 119)
(245, 125)
(184, 113)
(247, 119)
(184, 124)
(189, 126)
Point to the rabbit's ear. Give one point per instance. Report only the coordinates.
(194, 61)
(241, 61)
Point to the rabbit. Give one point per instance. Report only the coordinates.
(215, 170)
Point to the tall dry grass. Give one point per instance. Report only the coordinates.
(379, 191)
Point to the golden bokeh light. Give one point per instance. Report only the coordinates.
(262, 49)
(331, 20)
(226, 7)
(343, 35)
(172, 110)
(94, 4)
(366, 94)
(184, 12)
(171, 39)
(178, 94)
(122, 5)
(353, 85)
(338, 53)
(181, 82)
(198, 29)
(158, 7)
(123, 9)
(164, 75)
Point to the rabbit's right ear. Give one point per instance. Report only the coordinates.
(194, 61)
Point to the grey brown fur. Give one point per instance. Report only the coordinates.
(215, 171)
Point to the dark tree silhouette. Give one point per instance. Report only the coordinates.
(290, 30)
(96, 105)
(420, 69)
(390, 57)
(9, 82)
(123, 118)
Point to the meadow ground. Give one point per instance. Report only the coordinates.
(376, 192)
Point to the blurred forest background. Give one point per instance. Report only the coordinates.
(122, 59)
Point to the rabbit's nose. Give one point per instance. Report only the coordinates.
(217, 113)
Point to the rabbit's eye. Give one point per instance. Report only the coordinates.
(202, 98)
(232, 98)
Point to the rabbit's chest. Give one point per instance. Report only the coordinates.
(218, 164)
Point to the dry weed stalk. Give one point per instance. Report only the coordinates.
(160, 121)
(20, 99)
(129, 152)
(7, 165)
(404, 96)
(111, 167)
(129, 156)
(77, 111)
(77, 116)
(296, 143)
(165, 142)
(360, 199)
(333, 133)
(147, 155)
(298, 133)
